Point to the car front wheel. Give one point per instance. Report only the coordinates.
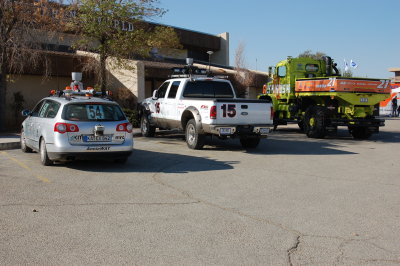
(24, 148)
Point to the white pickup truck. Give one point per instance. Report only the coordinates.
(201, 106)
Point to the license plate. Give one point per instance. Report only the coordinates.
(93, 138)
(225, 131)
(363, 100)
(264, 131)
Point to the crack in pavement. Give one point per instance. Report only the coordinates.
(297, 233)
(292, 250)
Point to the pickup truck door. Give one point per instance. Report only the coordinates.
(170, 111)
(159, 106)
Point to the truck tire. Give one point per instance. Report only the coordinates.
(314, 122)
(301, 125)
(194, 140)
(250, 143)
(44, 158)
(360, 132)
(145, 127)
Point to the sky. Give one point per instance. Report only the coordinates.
(365, 31)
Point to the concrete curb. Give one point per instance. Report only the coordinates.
(10, 145)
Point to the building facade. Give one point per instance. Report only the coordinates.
(129, 86)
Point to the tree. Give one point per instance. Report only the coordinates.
(23, 24)
(243, 78)
(310, 54)
(347, 74)
(115, 28)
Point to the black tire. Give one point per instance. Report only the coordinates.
(194, 140)
(250, 143)
(44, 158)
(315, 122)
(145, 127)
(301, 125)
(24, 148)
(360, 132)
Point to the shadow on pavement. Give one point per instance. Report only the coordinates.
(142, 161)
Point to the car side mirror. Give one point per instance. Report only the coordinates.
(155, 95)
(26, 113)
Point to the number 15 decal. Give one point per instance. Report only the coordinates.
(231, 110)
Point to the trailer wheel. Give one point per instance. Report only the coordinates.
(360, 132)
(145, 127)
(315, 122)
(194, 139)
(250, 143)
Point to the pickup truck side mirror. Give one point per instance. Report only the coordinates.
(155, 95)
(26, 113)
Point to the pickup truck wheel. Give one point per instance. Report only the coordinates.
(194, 140)
(314, 122)
(360, 132)
(250, 143)
(44, 158)
(24, 148)
(145, 127)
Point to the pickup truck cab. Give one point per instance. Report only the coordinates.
(203, 105)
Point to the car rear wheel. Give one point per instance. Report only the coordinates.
(250, 143)
(145, 127)
(24, 148)
(194, 140)
(44, 158)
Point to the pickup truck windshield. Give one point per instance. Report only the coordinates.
(208, 89)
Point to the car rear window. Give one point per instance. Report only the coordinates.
(92, 112)
(208, 89)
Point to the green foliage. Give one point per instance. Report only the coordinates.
(115, 28)
(310, 54)
(133, 117)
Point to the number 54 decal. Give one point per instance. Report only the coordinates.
(230, 111)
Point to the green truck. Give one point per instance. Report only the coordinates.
(313, 94)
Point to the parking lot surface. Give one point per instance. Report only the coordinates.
(291, 201)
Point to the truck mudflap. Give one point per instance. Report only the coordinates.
(240, 130)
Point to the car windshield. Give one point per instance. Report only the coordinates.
(92, 112)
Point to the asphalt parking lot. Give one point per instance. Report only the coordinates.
(292, 201)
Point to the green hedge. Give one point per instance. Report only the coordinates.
(133, 117)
